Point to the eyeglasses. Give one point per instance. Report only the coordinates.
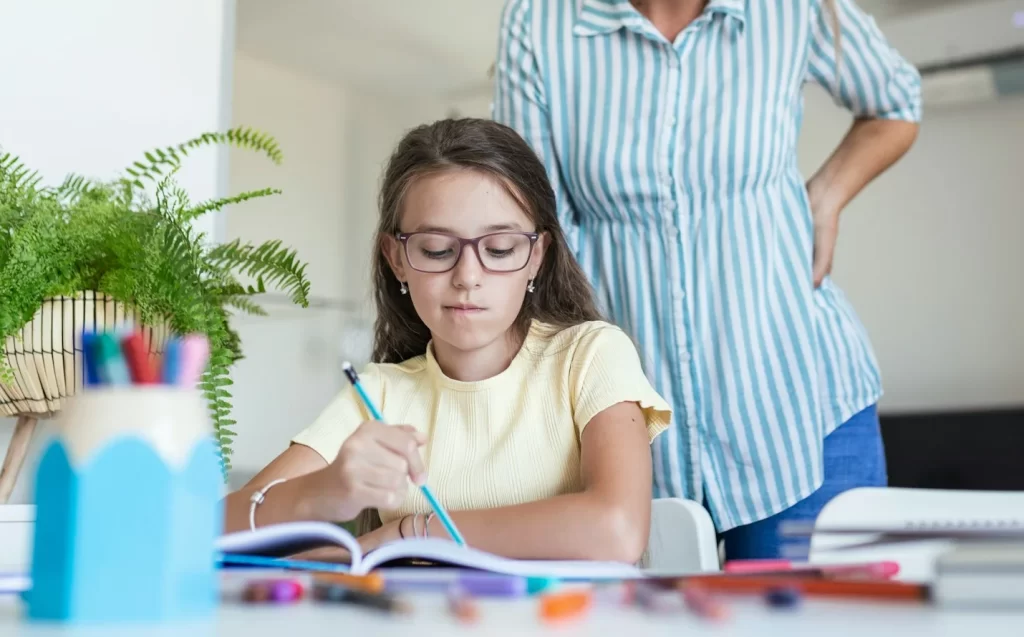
(437, 252)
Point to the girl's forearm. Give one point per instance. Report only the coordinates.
(295, 499)
(575, 526)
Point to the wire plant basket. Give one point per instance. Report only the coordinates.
(46, 359)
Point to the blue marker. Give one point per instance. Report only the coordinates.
(439, 511)
(172, 361)
(90, 359)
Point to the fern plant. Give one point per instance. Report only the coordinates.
(132, 238)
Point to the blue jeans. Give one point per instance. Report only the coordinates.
(854, 457)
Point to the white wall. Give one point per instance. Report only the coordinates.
(289, 371)
(930, 255)
(88, 87)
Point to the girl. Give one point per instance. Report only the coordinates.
(529, 417)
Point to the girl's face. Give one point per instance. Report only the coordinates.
(468, 298)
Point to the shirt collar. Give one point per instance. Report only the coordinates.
(600, 17)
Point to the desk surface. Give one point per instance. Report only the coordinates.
(747, 617)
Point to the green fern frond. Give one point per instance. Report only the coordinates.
(245, 304)
(193, 212)
(15, 176)
(73, 188)
(171, 157)
(267, 263)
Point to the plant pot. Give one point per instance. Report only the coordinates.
(47, 364)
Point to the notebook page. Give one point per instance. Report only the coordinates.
(445, 551)
(282, 540)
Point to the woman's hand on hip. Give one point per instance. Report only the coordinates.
(826, 229)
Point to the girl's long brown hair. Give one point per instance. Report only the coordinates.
(563, 296)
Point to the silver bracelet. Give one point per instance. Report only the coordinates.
(415, 533)
(256, 499)
(426, 525)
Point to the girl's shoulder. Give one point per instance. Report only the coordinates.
(571, 342)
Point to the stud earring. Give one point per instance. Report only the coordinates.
(529, 286)
(404, 289)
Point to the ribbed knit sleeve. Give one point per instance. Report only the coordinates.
(606, 370)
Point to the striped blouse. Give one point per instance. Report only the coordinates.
(675, 168)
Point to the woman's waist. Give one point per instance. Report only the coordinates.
(653, 210)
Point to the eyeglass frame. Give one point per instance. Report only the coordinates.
(403, 238)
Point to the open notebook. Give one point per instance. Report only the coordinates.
(282, 540)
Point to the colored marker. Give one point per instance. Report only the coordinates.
(808, 586)
(478, 584)
(140, 366)
(110, 364)
(699, 600)
(90, 356)
(439, 511)
(783, 597)
(172, 361)
(563, 606)
(277, 590)
(331, 592)
(461, 605)
(370, 583)
(877, 570)
(195, 352)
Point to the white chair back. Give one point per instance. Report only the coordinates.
(682, 539)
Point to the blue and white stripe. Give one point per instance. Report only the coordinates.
(677, 180)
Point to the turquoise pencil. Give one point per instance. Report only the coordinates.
(439, 511)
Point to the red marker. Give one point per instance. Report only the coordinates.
(141, 368)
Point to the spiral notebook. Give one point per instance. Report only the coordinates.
(283, 540)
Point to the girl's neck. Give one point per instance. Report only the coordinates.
(479, 364)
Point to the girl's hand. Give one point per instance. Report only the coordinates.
(372, 470)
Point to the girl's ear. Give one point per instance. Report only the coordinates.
(540, 248)
(394, 252)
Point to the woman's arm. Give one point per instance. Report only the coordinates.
(882, 90)
(608, 520)
(869, 148)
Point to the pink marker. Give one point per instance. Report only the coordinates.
(195, 352)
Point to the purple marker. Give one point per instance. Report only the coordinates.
(470, 582)
(492, 585)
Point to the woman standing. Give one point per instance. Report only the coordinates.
(669, 128)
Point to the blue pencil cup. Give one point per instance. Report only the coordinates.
(127, 510)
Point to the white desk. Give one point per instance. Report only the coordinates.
(748, 617)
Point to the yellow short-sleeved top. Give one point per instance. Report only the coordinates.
(505, 440)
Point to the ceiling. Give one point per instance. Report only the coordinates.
(406, 47)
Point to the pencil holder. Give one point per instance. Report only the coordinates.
(127, 509)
